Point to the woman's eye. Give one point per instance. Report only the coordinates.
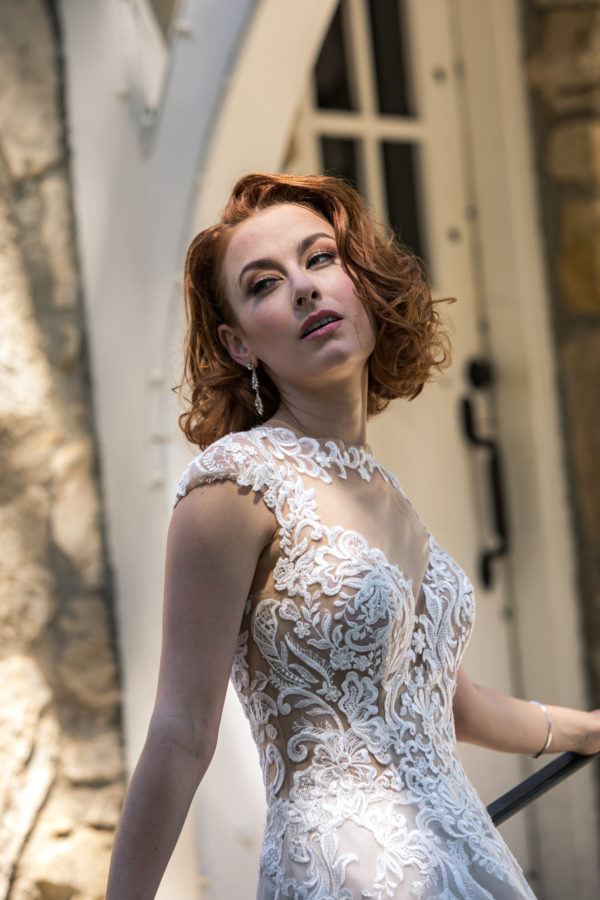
(321, 256)
(262, 284)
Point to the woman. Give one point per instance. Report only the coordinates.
(296, 564)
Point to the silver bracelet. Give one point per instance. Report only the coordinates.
(549, 735)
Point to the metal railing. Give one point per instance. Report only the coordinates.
(536, 785)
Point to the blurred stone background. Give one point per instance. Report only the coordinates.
(61, 772)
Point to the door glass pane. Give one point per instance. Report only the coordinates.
(389, 57)
(401, 171)
(334, 89)
(341, 156)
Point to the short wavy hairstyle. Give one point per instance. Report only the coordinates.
(410, 344)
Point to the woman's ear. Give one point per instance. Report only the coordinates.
(234, 345)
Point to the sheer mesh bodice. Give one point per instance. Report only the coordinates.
(346, 667)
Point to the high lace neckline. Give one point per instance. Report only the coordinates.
(328, 453)
(363, 449)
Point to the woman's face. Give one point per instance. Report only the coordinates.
(296, 309)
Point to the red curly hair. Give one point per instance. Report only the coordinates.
(409, 345)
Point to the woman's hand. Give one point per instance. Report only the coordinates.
(591, 742)
(485, 717)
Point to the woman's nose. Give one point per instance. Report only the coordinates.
(303, 298)
(305, 292)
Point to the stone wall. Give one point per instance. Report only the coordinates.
(563, 64)
(61, 772)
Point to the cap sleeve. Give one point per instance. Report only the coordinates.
(235, 457)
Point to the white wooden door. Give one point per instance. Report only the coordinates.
(417, 123)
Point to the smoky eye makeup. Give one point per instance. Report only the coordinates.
(321, 249)
(260, 284)
(323, 254)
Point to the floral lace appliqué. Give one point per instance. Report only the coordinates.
(347, 682)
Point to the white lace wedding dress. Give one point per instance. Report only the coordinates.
(346, 667)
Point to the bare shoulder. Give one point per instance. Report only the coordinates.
(214, 515)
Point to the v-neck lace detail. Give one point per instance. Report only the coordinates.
(346, 667)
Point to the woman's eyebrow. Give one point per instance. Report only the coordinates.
(310, 239)
(301, 248)
(257, 264)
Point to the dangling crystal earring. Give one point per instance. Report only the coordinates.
(258, 404)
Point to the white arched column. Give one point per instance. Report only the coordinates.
(261, 101)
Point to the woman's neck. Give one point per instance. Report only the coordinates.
(333, 410)
(346, 422)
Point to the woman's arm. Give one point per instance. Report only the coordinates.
(215, 539)
(484, 717)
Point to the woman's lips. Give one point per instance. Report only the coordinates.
(318, 316)
(321, 332)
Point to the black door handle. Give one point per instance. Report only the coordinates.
(501, 546)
